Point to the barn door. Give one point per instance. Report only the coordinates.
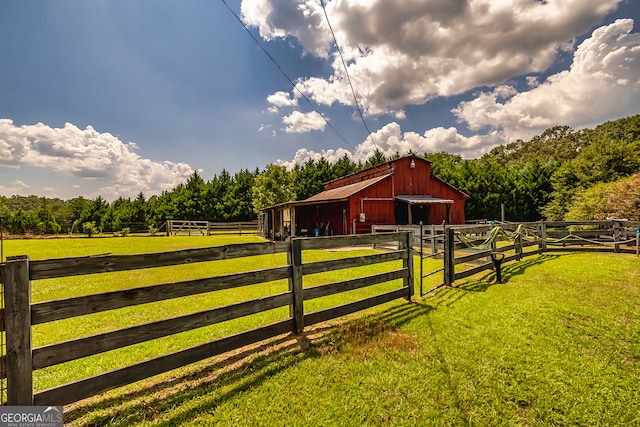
(420, 213)
(402, 213)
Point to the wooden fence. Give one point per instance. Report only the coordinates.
(467, 250)
(206, 228)
(240, 228)
(421, 233)
(20, 314)
(618, 236)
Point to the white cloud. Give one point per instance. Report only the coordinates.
(390, 140)
(302, 19)
(404, 53)
(298, 122)
(410, 52)
(603, 83)
(303, 155)
(282, 99)
(88, 155)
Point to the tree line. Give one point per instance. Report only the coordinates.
(560, 174)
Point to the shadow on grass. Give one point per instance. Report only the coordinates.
(207, 385)
(518, 268)
(446, 296)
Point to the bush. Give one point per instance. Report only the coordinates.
(619, 199)
(89, 228)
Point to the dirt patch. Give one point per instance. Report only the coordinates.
(363, 338)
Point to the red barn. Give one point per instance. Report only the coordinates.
(401, 192)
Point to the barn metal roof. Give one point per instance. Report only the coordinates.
(343, 193)
(424, 200)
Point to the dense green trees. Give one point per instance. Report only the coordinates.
(309, 177)
(559, 143)
(32, 214)
(224, 198)
(523, 188)
(560, 174)
(273, 186)
(610, 155)
(580, 161)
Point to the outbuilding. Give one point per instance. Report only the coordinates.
(399, 192)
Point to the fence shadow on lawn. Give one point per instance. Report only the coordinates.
(519, 268)
(447, 296)
(235, 372)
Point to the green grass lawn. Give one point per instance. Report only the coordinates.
(102, 322)
(81, 246)
(558, 344)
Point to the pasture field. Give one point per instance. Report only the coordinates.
(557, 344)
(133, 244)
(103, 322)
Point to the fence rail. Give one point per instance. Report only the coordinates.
(21, 315)
(206, 228)
(471, 249)
(619, 236)
(242, 227)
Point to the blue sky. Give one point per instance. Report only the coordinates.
(118, 97)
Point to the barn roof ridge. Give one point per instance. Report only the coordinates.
(385, 167)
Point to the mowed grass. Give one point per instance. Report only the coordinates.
(77, 327)
(558, 344)
(82, 246)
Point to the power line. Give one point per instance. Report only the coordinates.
(295, 86)
(346, 71)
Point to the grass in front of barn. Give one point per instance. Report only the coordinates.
(558, 344)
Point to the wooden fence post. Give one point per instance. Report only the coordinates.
(434, 249)
(296, 310)
(408, 262)
(449, 254)
(616, 236)
(17, 317)
(421, 253)
(542, 245)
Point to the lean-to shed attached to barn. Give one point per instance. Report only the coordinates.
(399, 192)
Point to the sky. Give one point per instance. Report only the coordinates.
(113, 98)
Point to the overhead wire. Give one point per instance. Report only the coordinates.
(295, 86)
(346, 71)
